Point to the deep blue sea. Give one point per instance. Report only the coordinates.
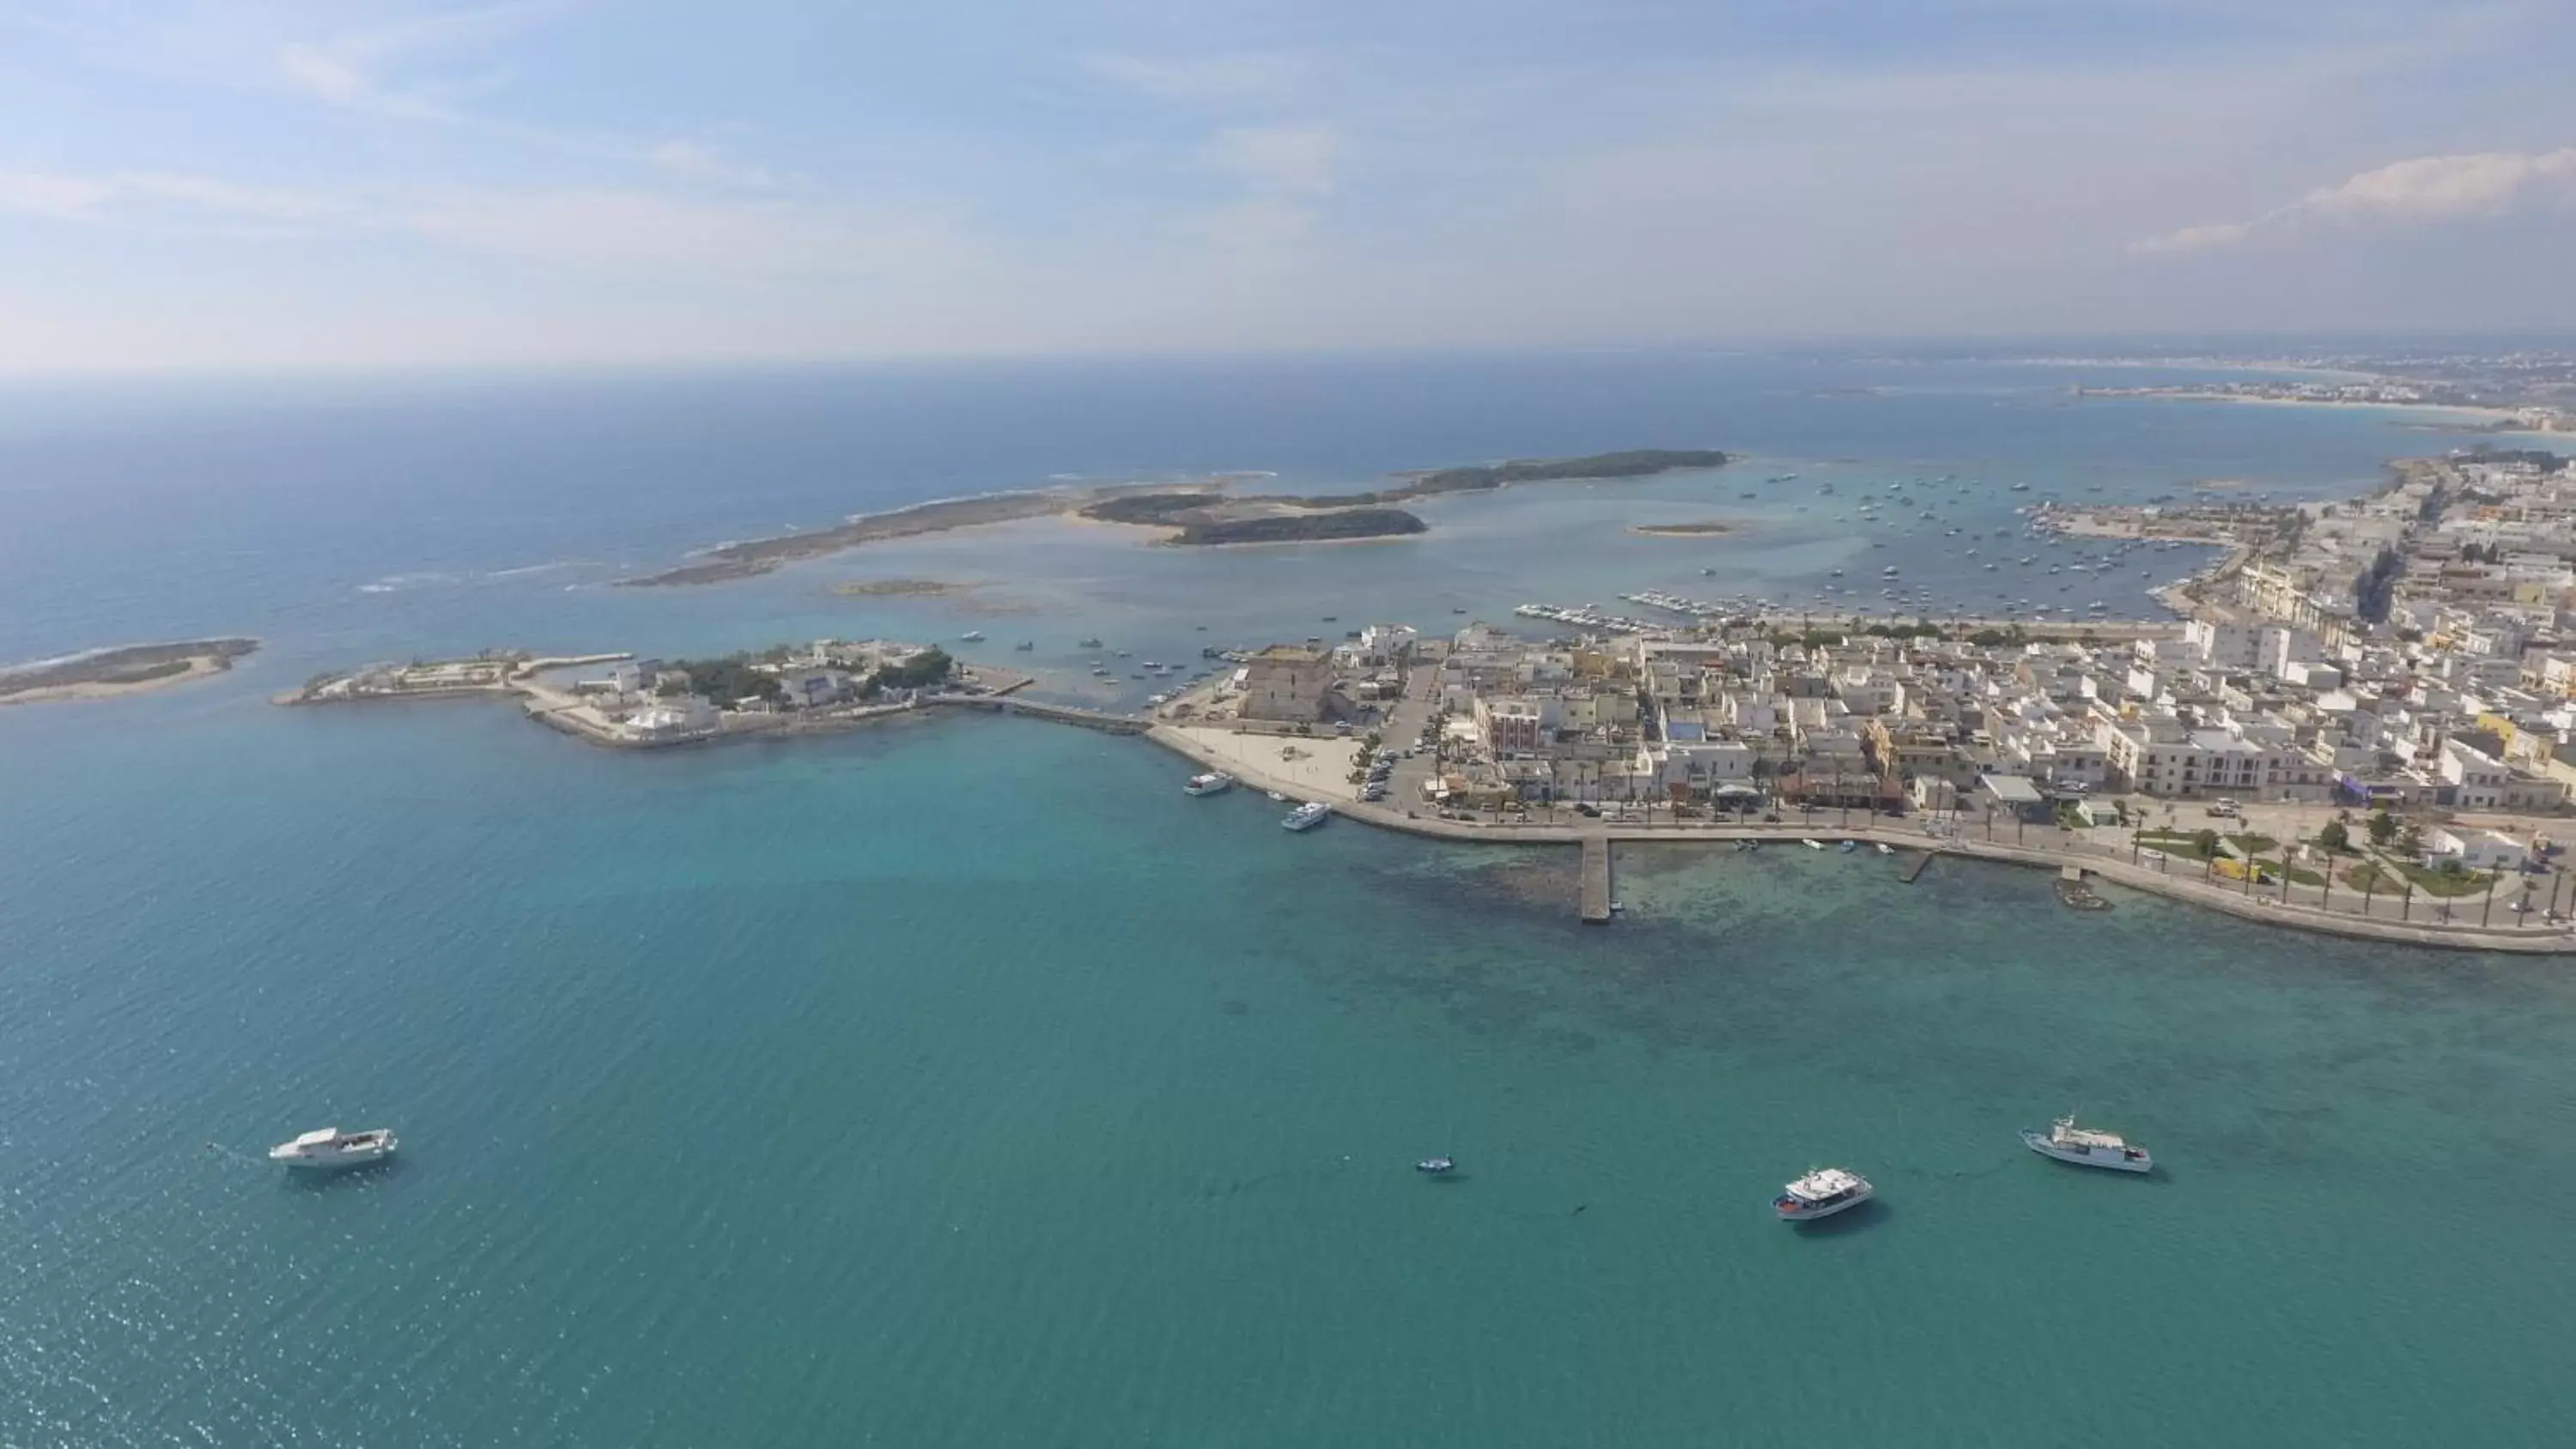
(962, 1083)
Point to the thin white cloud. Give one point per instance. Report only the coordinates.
(652, 229)
(627, 227)
(1296, 160)
(1243, 78)
(353, 69)
(2424, 189)
(63, 197)
(698, 161)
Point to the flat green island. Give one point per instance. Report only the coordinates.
(1202, 516)
(130, 669)
(1197, 514)
(900, 589)
(1704, 528)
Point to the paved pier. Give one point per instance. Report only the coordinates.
(1596, 879)
(1915, 867)
(1116, 724)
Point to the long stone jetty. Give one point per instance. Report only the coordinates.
(1596, 879)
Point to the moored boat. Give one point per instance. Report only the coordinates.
(1306, 816)
(1821, 1194)
(1812, 843)
(2085, 1147)
(325, 1148)
(1214, 782)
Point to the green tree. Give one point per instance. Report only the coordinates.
(928, 667)
(2382, 827)
(2204, 843)
(2334, 837)
(2410, 841)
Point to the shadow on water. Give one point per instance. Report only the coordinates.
(1849, 1222)
(347, 1179)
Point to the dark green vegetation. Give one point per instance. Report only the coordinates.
(928, 667)
(1635, 463)
(1207, 517)
(722, 680)
(1288, 527)
(1169, 510)
(737, 677)
(135, 664)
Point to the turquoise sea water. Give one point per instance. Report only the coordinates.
(963, 1083)
(969, 1085)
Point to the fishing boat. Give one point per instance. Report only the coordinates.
(2085, 1147)
(1214, 782)
(327, 1148)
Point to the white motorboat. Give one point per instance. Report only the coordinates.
(1435, 1165)
(1812, 844)
(1215, 782)
(1821, 1194)
(1885, 849)
(2086, 1147)
(1275, 797)
(1306, 816)
(324, 1148)
(973, 636)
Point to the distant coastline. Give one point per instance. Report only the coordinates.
(1193, 514)
(130, 669)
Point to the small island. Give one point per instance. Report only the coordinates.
(1198, 513)
(106, 673)
(1704, 528)
(901, 589)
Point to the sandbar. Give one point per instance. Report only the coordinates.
(130, 669)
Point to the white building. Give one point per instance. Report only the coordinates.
(2474, 850)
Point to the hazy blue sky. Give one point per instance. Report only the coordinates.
(255, 182)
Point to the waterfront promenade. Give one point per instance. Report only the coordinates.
(2383, 916)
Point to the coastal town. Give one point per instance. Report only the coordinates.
(2366, 720)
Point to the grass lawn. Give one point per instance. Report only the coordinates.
(2172, 842)
(2253, 844)
(2439, 883)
